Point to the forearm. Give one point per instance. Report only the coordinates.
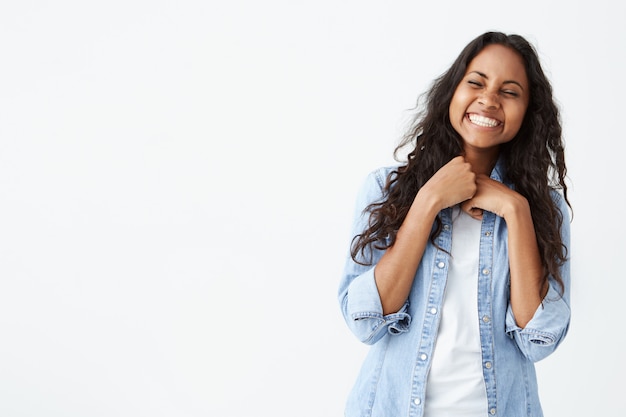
(527, 285)
(395, 271)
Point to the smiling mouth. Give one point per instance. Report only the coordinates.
(482, 121)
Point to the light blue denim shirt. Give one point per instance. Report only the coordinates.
(392, 380)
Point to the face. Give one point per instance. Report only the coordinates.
(488, 105)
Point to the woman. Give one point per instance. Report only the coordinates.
(458, 274)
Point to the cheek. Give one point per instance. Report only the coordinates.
(518, 115)
(455, 115)
(457, 106)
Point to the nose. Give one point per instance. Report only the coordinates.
(489, 99)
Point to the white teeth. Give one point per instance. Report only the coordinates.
(483, 121)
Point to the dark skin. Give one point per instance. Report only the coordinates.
(487, 110)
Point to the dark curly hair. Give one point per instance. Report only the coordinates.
(534, 157)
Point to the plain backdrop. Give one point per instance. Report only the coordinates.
(177, 181)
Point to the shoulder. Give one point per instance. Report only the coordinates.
(559, 200)
(379, 176)
(562, 206)
(373, 186)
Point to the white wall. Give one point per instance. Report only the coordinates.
(177, 182)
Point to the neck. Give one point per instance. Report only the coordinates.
(482, 162)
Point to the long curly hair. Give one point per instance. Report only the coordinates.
(534, 157)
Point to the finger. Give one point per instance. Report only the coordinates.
(476, 213)
(468, 207)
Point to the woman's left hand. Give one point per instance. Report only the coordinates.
(492, 196)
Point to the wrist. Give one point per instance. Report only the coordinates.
(428, 203)
(516, 207)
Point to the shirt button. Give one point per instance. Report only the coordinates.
(488, 365)
(433, 310)
(417, 401)
(486, 319)
(446, 227)
(492, 411)
(487, 233)
(441, 265)
(423, 356)
(486, 271)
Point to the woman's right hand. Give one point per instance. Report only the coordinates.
(453, 183)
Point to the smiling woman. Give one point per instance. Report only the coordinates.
(458, 274)
(489, 104)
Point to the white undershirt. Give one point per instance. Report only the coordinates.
(455, 386)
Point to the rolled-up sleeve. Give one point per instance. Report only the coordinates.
(550, 323)
(364, 312)
(545, 331)
(358, 294)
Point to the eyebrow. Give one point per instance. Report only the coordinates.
(504, 82)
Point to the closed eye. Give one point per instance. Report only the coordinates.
(510, 93)
(474, 83)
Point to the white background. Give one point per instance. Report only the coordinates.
(177, 181)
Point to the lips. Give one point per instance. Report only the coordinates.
(483, 121)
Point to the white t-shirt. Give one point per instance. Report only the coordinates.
(455, 386)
